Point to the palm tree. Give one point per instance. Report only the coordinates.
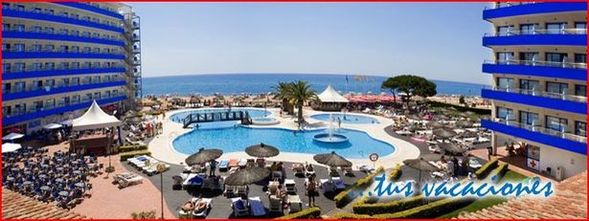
(298, 93)
(282, 91)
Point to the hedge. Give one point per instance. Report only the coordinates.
(127, 155)
(499, 172)
(396, 173)
(346, 196)
(346, 215)
(482, 172)
(461, 108)
(313, 212)
(129, 148)
(389, 207)
(430, 210)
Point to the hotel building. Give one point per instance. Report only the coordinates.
(539, 92)
(58, 57)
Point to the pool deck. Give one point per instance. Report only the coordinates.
(161, 146)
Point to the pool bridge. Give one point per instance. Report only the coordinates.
(242, 116)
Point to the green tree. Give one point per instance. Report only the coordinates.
(282, 93)
(461, 100)
(411, 85)
(296, 93)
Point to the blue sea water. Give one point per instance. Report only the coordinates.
(228, 84)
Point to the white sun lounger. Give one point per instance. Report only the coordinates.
(205, 212)
(242, 162)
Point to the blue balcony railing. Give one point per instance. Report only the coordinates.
(88, 7)
(516, 9)
(60, 19)
(565, 70)
(59, 90)
(565, 141)
(57, 110)
(570, 37)
(59, 72)
(60, 37)
(569, 103)
(45, 55)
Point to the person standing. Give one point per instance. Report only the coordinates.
(311, 190)
(489, 152)
(213, 165)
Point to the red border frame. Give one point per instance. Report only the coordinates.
(295, 1)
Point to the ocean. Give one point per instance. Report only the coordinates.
(230, 84)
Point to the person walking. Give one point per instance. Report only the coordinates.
(213, 165)
(311, 190)
(489, 152)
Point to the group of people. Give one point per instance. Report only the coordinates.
(61, 178)
(456, 167)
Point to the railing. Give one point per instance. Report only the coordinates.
(32, 14)
(16, 54)
(59, 69)
(507, 4)
(564, 31)
(539, 63)
(560, 96)
(215, 116)
(32, 34)
(539, 129)
(50, 90)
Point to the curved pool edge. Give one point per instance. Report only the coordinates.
(162, 148)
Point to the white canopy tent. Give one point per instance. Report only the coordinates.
(10, 147)
(94, 118)
(13, 136)
(330, 95)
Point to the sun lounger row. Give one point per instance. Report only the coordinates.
(146, 164)
(127, 179)
(196, 208)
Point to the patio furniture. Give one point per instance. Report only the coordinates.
(257, 207)
(294, 203)
(193, 180)
(205, 212)
(275, 204)
(290, 186)
(240, 207)
(223, 165)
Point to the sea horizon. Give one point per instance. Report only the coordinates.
(257, 83)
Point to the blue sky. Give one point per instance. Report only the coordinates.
(436, 40)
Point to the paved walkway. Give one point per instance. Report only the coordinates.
(161, 146)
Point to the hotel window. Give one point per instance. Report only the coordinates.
(6, 88)
(87, 50)
(75, 16)
(5, 5)
(555, 58)
(75, 49)
(75, 32)
(528, 57)
(75, 81)
(20, 109)
(19, 67)
(37, 29)
(63, 48)
(18, 28)
(6, 68)
(50, 83)
(556, 88)
(49, 48)
(6, 111)
(527, 29)
(504, 83)
(528, 118)
(581, 59)
(63, 31)
(555, 28)
(49, 11)
(19, 86)
(76, 99)
(581, 128)
(37, 48)
(38, 105)
(87, 97)
(49, 65)
(64, 65)
(581, 90)
(50, 103)
(504, 30)
(61, 102)
(20, 7)
(65, 82)
(5, 27)
(37, 10)
(66, 100)
(504, 113)
(85, 34)
(581, 27)
(96, 50)
(97, 95)
(556, 123)
(5, 47)
(96, 79)
(37, 66)
(106, 94)
(37, 85)
(115, 92)
(503, 57)
(529, 86)
(95, 35)
(75, 65)
(19, 47)
(49, 30)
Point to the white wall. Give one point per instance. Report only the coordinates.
(572, 163)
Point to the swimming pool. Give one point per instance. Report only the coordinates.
(347, 118)
(236, 139)
(254, 113)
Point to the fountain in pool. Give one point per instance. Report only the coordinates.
(330, 136)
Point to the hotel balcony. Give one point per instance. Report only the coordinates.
(91, 8)
(565, 70)
(60, 37)
(38, 15)
(44, 91)
(569, 103)
(12, 75)
(509, 9)
(51, 54)
(565, 141)
(43, 112)
(563, 37)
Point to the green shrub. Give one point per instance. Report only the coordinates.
(389, 207)
(144, 215)
(127, 155)
(482, 172)
(129, 148)
(343, 198)
(395, 173)
(313, 212)
(499, 172)
(345, 215)
(429, 210)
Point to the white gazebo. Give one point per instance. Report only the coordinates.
(94, 118)
(330, 100)
(13, 136)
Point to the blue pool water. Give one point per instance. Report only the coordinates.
(349, 118)
(236, 139)
(254, 113)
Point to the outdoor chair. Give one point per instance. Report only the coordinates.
(240, 207)
(275, 204)
(257, 207)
